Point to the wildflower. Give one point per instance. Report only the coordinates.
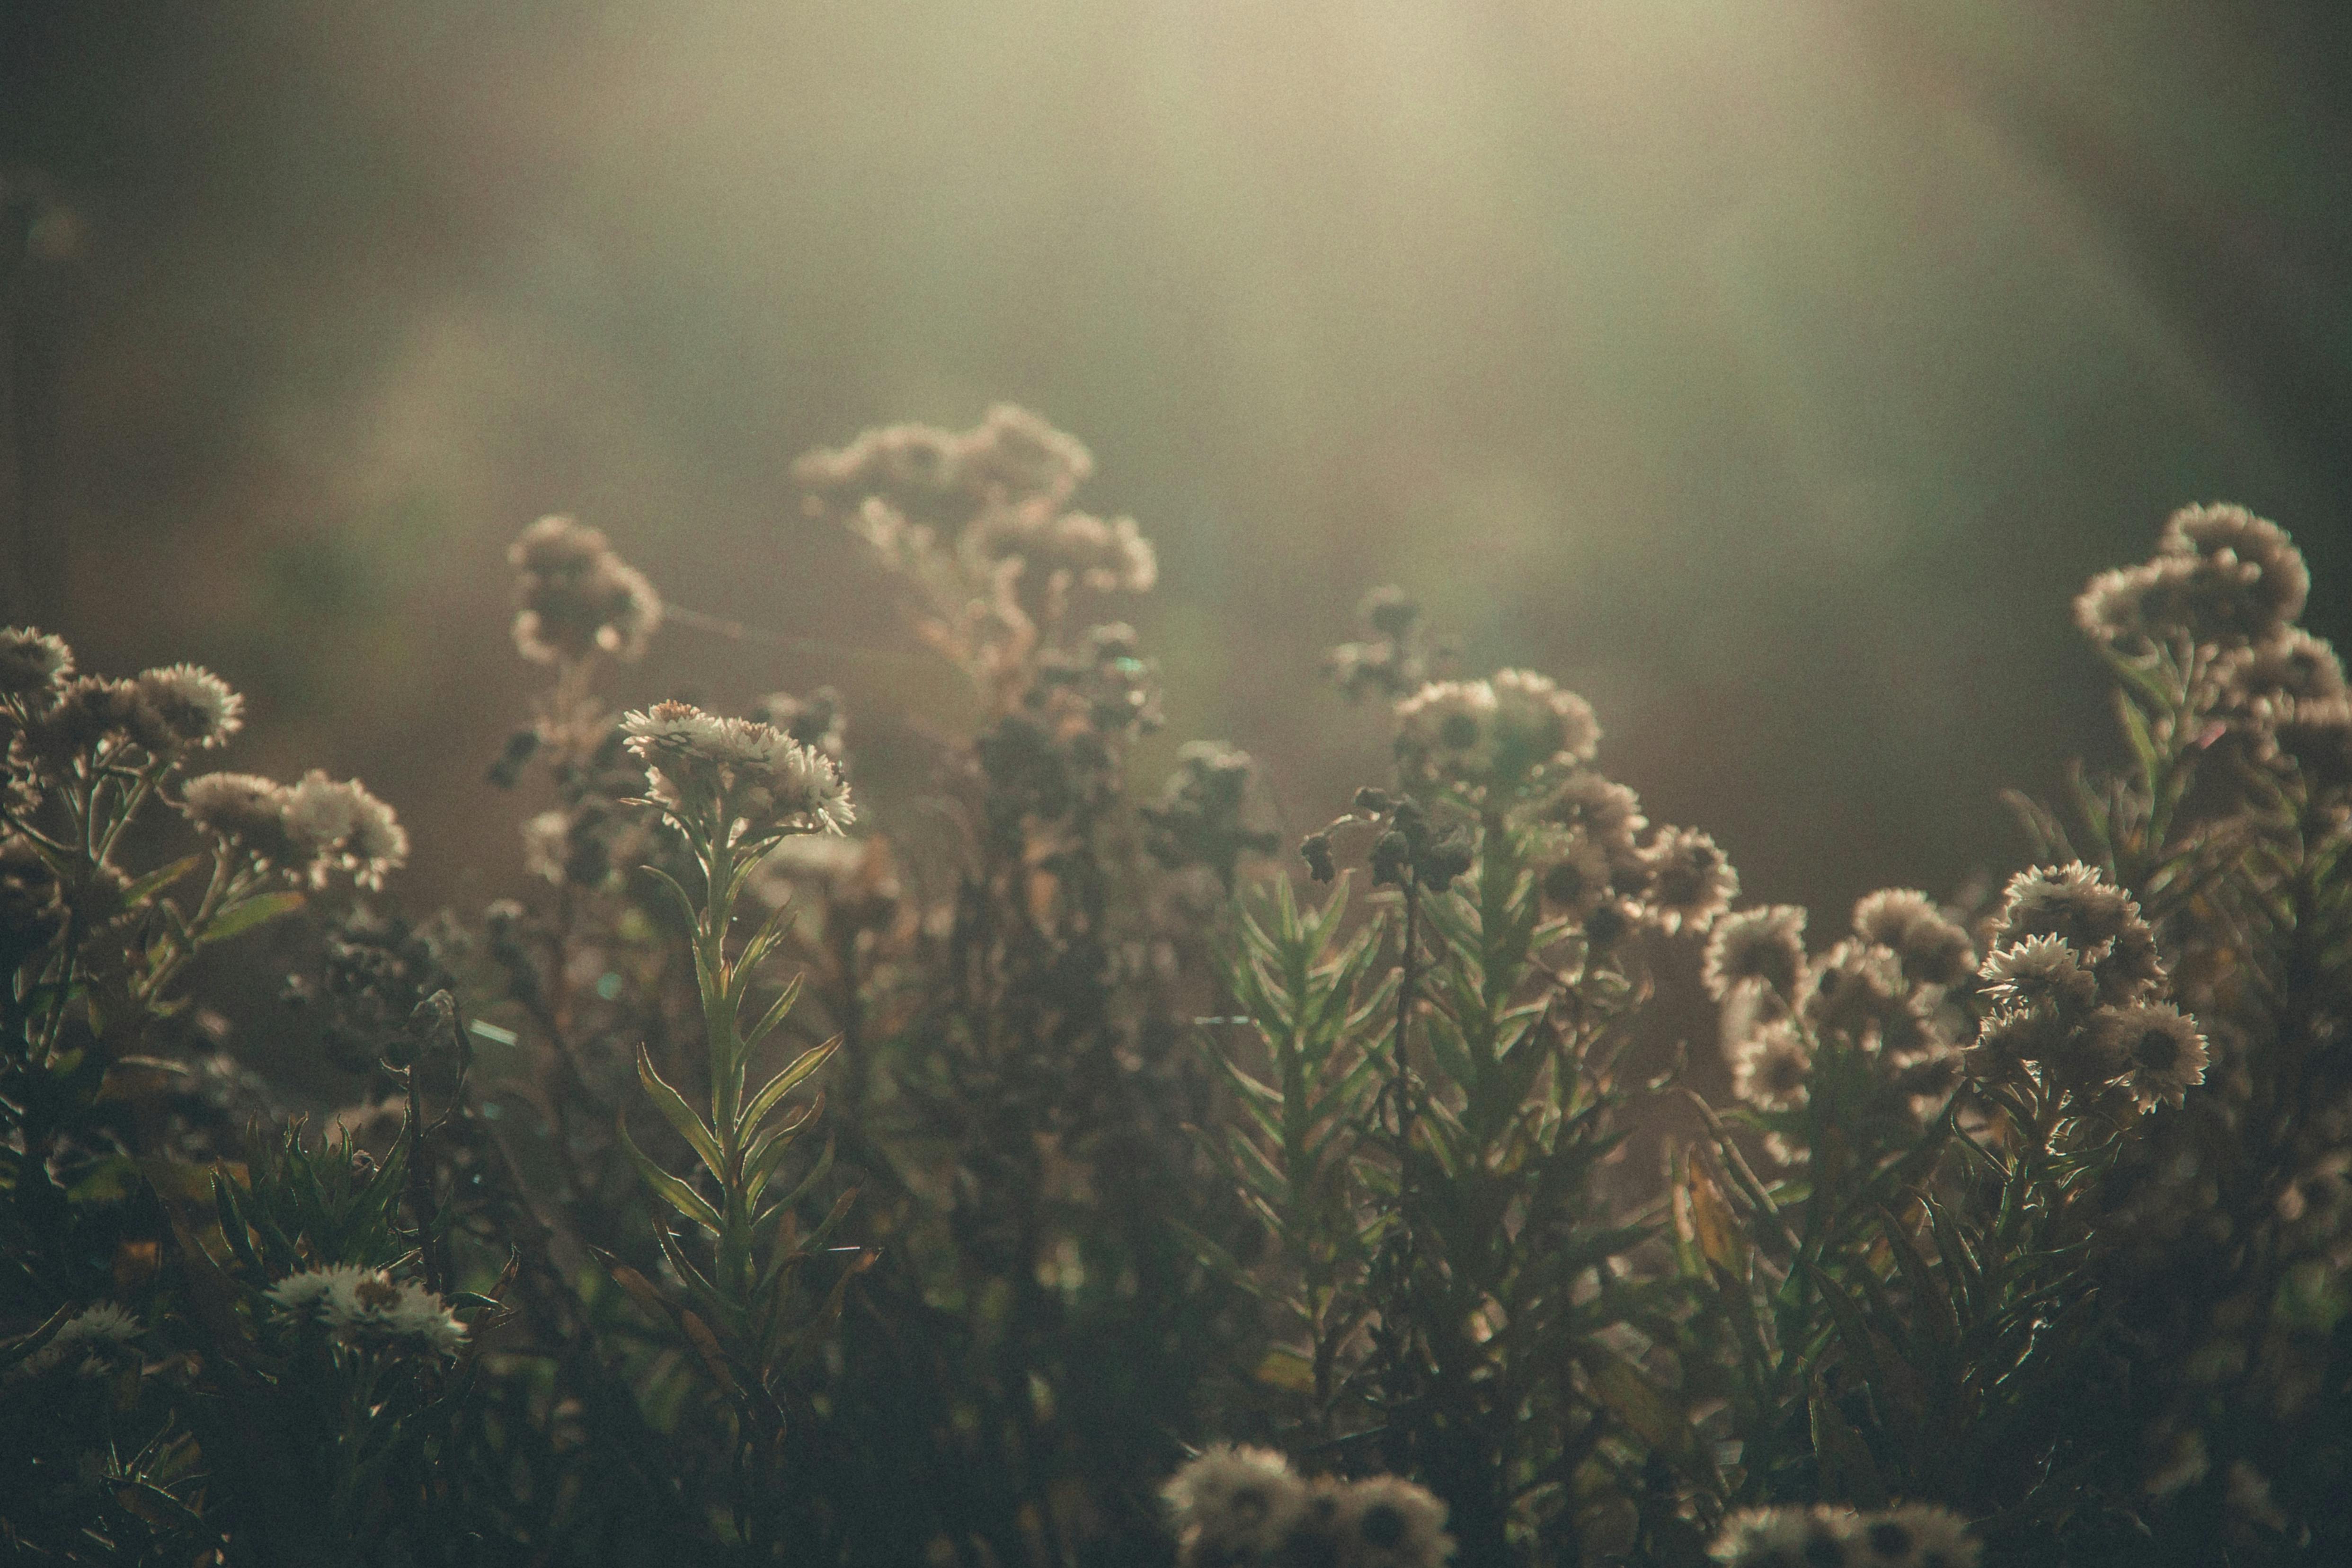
(1446, 730)
(195, 707)
(92, 711)
(33, 665)
(1230, 1503)
(2038, 970)
(340, 826)
(242, 808)
(1539, 725)
(1386, 1522)
(755, 771)
(1813, 1537)
(1763, 945)
(577, 596)
(1691, 880)
(1578, 877)
(356, 1303)
(1771, 1066)
(1914, 1535)
(2221, 576)
(2234, 540)
(1856, 990)
(2073, 902)
(2157, 1049)
(1608, 813)
(2132, 970)
(94, 1341)
(1108, 557)
(2013, 1035)
(908, 461)
(1014, 454)
(2294, 665)
(1932, 949)
(1198, 818)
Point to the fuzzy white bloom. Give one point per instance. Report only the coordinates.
(1692, 882)
(1915, 1535)
(343, 827)
(33, 664)
(357, 1303)
(94, 1341)
(764, 772)
(196, 707)
(1933, 949)
(1764, 947)
(1234, 1504)
(2157, 1048)
(2038, 970)
(1386, 1522)
(1772, 1067)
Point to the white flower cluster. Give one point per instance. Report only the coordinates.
(1881, 991)
(309, 830)
(60, 715)
(1245, 1508)
(356, 1304)
(95, 1343)
(752, 770)
(1914, 1535)
(2078, 987)
(1501, 734)
(577, 597)
(2221, 576)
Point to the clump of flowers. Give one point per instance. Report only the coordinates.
(577, 597)
(94, 1342)
(2221, 576)
(1245, 1507)
(2076, 987)
(1914, 1535)
(356, 1304)
(306, 831)
(736, 780)
(1507, 735)
(979, 524)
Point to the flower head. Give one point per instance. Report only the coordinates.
(747, 770)
(1386, 1522)
(1772, 1067)
(2156, 1048)
(357, 1303)
(94, 1342)
(1763, 946)
(1231, 1503)
(33, 665)
(1932, 949)
(1691, 881)
(577, 597)
(2039, 969)
(195, 707)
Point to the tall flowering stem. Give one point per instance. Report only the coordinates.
(733, 790)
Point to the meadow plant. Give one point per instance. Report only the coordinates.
(1022, 1162)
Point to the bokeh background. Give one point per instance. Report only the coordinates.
(1774, 373)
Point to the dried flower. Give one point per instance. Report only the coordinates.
(2155, 1047)
(242, 808)
(94, 1342)
(1692, 882)
(1766, 947)
(1386, 1522)
(1609, 813)
(341, 827)
(1577, 876)
(34, 666)
(1932, 949)
(1229, 1503)
(577, 597)
(2040, 969)
(2071, 902)
(752, 771)
(2232, 538)
(1771, 1066)
(195, 707)
(357, 1303)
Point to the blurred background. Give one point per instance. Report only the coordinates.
(1772, 373)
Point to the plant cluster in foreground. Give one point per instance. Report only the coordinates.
(1016, 1166)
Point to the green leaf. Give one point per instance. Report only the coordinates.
(246, 914)
(680, 1115)
(775, 1014)
(673, 1191)
(137, 894)
(795, 1073)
